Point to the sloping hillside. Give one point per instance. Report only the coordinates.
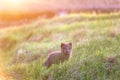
(96, 48)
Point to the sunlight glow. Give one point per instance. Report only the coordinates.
(18, 4)
(14, 4)
(15, 1)
(17, 9)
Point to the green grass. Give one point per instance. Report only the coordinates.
(96, 48)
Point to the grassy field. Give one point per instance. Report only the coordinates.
(96, 48)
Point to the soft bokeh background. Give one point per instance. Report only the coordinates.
(30, 29)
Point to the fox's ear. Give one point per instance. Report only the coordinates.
(70, 44)
(62, 44)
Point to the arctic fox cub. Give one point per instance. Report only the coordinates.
(57, 57)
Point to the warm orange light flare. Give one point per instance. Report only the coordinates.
(15, 1)
(19, 9)
(15, 4)
(11, 4)
(8, 5)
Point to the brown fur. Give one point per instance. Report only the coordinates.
(57, 57)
